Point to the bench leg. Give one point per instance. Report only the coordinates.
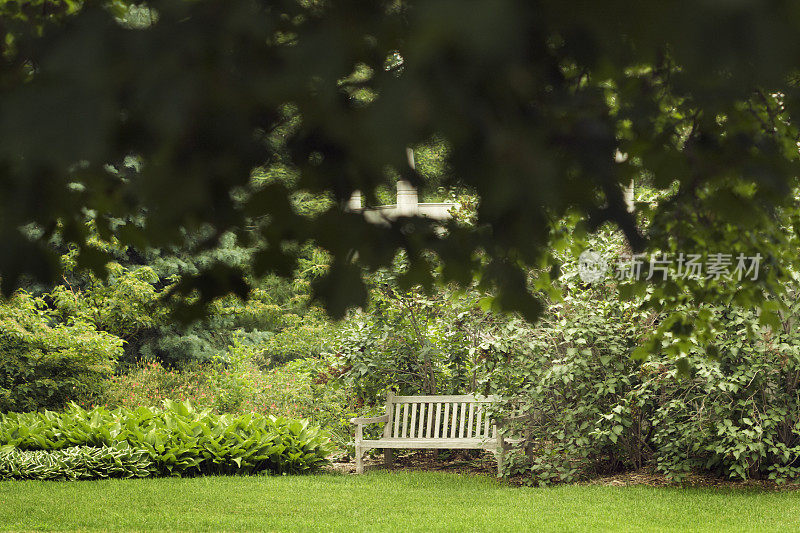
(388, 457)
(359, 460)
(500, 452)
(500, 456)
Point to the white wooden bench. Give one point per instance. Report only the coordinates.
(420, 422)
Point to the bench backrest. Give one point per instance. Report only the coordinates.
(439, 417)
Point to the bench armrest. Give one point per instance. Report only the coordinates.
(370, 420)
(502, 422)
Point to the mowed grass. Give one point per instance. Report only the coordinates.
(384, 501)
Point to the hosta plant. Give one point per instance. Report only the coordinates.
(76, 462)
(178, 439)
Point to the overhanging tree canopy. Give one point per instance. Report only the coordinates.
(154, 129)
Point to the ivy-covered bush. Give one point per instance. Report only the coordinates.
(179, 440)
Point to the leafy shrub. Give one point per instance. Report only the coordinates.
(125, 305)
(409, 341)
(738, 415)
(45, 365)
(179, 439)
(77, 462)
(569, 373)
(733, 412)
(300, 338)
(234, 381)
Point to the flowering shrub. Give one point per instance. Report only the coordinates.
(299, 389)
(150, 384)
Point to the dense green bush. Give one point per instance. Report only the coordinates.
(591, 409)
(44, 364)
(410, 341)
(300, 338)
(569, 373)
(77, 462)
(737, 415)
(179, 439)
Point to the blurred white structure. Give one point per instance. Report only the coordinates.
(407, 204)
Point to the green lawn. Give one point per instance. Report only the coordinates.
(384, 501)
